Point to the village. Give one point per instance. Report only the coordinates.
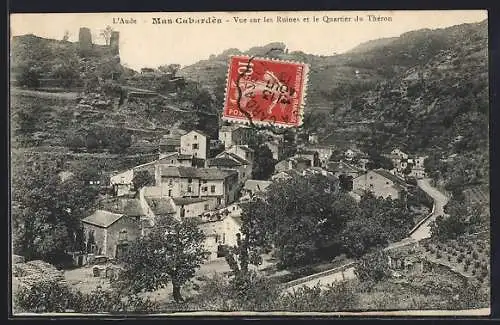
(207, 179)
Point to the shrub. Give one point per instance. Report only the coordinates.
(468, 261)
(477, 264)
(454, 253)
(438, 255)
(473, 271)
(466, 267)
(475, 255)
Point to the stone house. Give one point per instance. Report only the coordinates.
(380, 182)
(242, 151)
(170, 143)
(195, 143)
(109, 234)
(234, 135)
(220, 233)
(253, 187)
(187, 207)
(217, 184)
(228, 160)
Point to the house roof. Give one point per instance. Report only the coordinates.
(192, 172)
(102, 218)
(161, 206)
(342, 167)
(224, 162)
(256, 185)
(199, 132)
(126, 206)
(392, 177)
(234, 157)
(175, 155)
(187, 200)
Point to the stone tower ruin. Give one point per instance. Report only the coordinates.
(114, 42)
(85, 41)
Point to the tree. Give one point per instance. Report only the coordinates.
(299, 216)
(47, 211)
(376, 222)
(171, 252)
(373, 267)
(263, 165)
(106, 34)
(29, 76)
(170, 68)
(142, 178)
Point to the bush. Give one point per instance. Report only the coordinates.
(438, 255)
(44, 297)
(53, 296)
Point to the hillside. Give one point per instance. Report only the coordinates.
(381, 94)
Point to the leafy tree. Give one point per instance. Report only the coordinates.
(29, 76)
(47, 213)
(171, 252)
(299, 216)
(373, 267)
(378, 161)
(263, 165)
(377, 222)
(142, 178)
(170, 68)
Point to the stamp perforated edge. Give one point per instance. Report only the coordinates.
(302, 100)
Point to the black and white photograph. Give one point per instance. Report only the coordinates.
(250, 163)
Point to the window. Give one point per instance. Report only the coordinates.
(387, 183)
(217, 238)
(195, 146)
(371, 177)
(169, 192)
(123, 235)
(206, 207)
(371, 185)
(204, 189)
(190, 180)
(195, 137)
(205, 181)
(170, 182)
(223, 238)
(212, 188)
(189, 189)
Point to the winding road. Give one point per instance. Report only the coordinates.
(440, 200)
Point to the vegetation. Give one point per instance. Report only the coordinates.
(142, 178)
(59, 298)
(170, 253)
(46, 210)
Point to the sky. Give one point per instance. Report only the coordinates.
(144, 44)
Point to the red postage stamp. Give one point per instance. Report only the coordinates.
(265, 91)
